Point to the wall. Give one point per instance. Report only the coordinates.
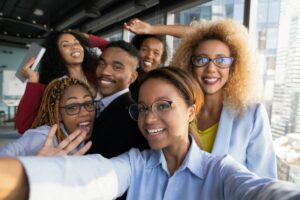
(11, 57)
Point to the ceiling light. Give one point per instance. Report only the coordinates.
(38, 12)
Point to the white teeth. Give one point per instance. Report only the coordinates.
(105, 82)
(154, 131)
(147, 63)
(75, 54)
(84, 123)
(210, 80)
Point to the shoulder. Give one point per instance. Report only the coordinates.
(251, 112)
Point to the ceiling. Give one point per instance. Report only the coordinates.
(26, 21)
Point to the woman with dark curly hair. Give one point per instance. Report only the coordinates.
(67, 53)
(232, 121)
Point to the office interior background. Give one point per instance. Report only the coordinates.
(274, 26)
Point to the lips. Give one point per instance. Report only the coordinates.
(210, 80)
(156, 131)
(84, 126)
(105, 81)
(75, 54)
(147, 63)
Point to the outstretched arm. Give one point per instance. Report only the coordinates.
(140, 27)
(14, 183)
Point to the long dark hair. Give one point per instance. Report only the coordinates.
(53, 65)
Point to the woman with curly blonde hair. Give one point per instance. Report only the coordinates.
(232, 121)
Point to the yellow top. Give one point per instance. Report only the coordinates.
(208, 137)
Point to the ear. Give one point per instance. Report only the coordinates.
(191, 112)
(133, 76)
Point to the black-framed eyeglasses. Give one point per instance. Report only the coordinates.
(159, 108)
(74, 109)
(221, 62)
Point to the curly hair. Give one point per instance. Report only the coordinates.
(186, 85)
(49, 110)
(53, 65)
(138, 40)
(239, 90)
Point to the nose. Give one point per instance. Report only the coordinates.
(149, 54)
(211, 66)
(103, 70)
(150, 116)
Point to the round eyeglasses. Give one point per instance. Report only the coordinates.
(74, 109)
(221, 62)
(159, 108)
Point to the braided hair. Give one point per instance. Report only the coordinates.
(49, 109)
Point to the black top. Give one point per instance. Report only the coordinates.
(114, 131)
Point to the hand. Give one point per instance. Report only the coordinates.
(29, 73)
(66, 146)
(137, 26)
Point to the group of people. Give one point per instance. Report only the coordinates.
(208, 135)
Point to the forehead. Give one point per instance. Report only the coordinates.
(76, 91)
(153, 42)
(66, 37)
(213, 46)
(111, 54)
(155, 88)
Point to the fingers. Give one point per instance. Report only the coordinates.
(29, 63)
(51, 134)
(84, 149)
(73, 141)
(69, 139)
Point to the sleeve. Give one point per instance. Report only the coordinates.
(261, 157)
(29, 106)
(96, 41)
(239, 183)
(75, 177)
(28, 144)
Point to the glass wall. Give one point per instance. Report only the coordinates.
(218, 9)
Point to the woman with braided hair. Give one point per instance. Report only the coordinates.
(67, 102)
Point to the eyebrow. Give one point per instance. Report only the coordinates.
(77, 97)
(217, 55)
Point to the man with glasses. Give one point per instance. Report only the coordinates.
(114, 131)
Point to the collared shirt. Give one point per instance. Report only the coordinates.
(105, 101)
(145, 175)
(108, 99)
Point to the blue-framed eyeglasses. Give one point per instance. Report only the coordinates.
(74, 109)
(221, 62)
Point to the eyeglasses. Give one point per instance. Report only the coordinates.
(221, 62)
(74, 109)
(159, 108)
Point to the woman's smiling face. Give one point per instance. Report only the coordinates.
(166, 126)
(72, 96)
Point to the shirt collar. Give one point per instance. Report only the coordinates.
(108, 99)
(193, 160)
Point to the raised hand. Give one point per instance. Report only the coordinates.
(66, 146)
(32, 76)
(137, 26)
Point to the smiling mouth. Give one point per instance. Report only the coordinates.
(84, 126)
(155, 131)
(105, 81)
(147, 63)
(75, 54)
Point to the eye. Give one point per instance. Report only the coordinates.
(72, 107)
(220, 60)
(161, 106)
(141, 108)
(89, 105)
